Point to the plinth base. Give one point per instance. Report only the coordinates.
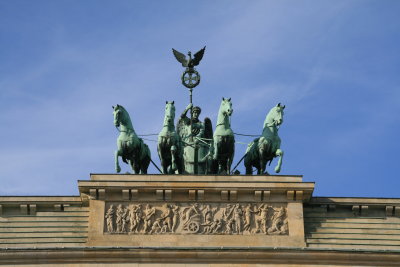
(196, 211)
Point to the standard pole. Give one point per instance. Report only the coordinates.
(191, 112)
(193, 140)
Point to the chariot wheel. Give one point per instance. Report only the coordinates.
(193, 227)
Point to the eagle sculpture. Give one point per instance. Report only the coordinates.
(190, 62)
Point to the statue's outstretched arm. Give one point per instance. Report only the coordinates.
(183, 115)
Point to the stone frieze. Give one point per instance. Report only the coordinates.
(195, 218)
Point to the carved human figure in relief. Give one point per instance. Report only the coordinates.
(248, 214)
(156, 227)
(149, 213)
(124, 220)
(277, 221)
(175, 218)
(190, 213)
(165, 227)
(237, 217)
(139, 216)
(192, 219)
(134, 214)
(226, 212)
(285, 227)
(110, 219)
(167, 217)
(208, 215)
(262, 219)
(212, 227)
(120, 221)
(195, 218)
(228, 219)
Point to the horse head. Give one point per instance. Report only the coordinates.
(226, 107)
(122, 118)
(275, 116)
(169, 113)
(117, 115)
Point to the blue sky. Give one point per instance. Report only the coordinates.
(334, 64)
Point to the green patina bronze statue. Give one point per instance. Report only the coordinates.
(265, 148)
(131, 148)
(224, 140)
(169, 146)
(193, 148)
(196, 135)
(197, 139)
(190, 77)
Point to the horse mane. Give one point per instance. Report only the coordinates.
(125, 111)
(268, 117)
(128, 118)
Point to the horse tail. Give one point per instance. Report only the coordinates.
(145, 157)
(145, 151)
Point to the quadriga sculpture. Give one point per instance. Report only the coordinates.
(265, 148)
(169, 145)
(131, 148)
(224, 140)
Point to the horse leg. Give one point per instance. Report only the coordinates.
(264, 149)
(249, 159)
(143, 169)
(173, 159)
(249, 170)
(145, 164)
(226, 165)
(219, 162)
(279, 153)
(247, 163)
(262, 163)
(164, 166)
(160, 149)
(165, 162)
(215, 155)
(144, 159)
(180, 163)
(134, 166)
(230, 160)
(117, 167)
(217, 141)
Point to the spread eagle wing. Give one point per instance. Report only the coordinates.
(180, 57)
(198, 56)
(208, 131)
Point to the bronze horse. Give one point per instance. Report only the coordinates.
(131, 148)
(224, 140)
(169, 145)
(265, 148)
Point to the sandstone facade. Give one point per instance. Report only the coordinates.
(158, 219)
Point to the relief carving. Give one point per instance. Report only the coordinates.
(109, 219)
(195, 218)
